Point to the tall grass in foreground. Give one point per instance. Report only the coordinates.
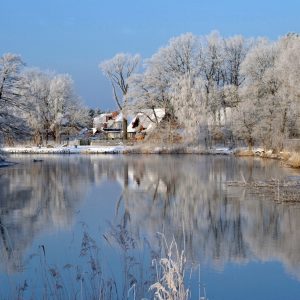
(170, 272)
(144, 274)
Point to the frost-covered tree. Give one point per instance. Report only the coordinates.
(235, 50)
(188, 101)
(258, 95)
(211, 60)
(61, 95)
(55, 109)
(165, 77)
(270, 89)
(246, 118)
(38, 96)
(11, 105)
(140, 96)
(118, 70)
(179, 57)
(233, 85)
(287, 68)
(211, 71)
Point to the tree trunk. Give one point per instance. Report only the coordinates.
(47, 136)
(57, 134)
(124, 127)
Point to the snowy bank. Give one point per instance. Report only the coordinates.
(65, 150)
(118, 149)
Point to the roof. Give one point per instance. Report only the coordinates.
(145, 116)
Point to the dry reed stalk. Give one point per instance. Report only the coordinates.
(170, 278)
(294, 160)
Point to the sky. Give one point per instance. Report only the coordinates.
(74, 36)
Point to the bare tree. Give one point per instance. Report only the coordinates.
(118, 70)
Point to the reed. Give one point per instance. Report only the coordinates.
(294, 160)
(146, 274)
(170, 274)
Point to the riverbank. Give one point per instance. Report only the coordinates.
(117, 149)
(288, 158)
(291, 159)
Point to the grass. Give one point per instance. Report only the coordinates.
(294, 160)
(284, 155)
(170, 272)
(291, 159)
(244, 152)
(144, 273)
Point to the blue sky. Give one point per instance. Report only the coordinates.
(74, 36)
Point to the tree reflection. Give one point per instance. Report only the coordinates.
(166, 194)
(35, 197)
(181, 196)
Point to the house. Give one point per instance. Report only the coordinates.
(105, 120)
(145, 122)
(109, 124)
(139, 124)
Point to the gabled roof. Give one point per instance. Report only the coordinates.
(147, 120)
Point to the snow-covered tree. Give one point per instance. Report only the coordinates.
(166, 73)
(248, 87)
(180, 57)
(55, 109)
(287, 68)
(118, 70)
(188, 101)
(11, 105)
(271, 75)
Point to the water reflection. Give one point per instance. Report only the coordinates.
(182, 196)
(35, 197)
(220, 224)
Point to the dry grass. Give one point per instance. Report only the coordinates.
(284, 155)
(170, 274)
(241, 152)
(294, 160)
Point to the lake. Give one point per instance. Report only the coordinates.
(96, 227)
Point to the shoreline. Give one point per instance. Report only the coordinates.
(288, 158)
(120, 149)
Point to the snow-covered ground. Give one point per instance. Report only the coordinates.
(64, 150)
(117, 149)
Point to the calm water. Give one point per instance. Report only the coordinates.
(73, 225)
